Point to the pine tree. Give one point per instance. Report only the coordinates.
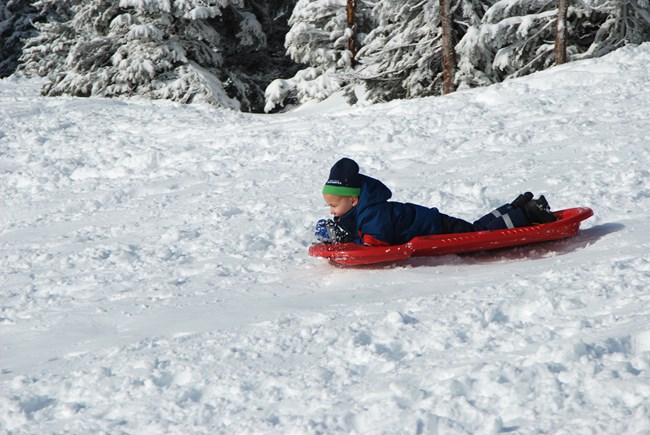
(7, 66)
(272, 61)
(403, 55)
(16, 17)
(47, 50)
(182, 50)
(321, 39)
(517, 37)
(614, 24)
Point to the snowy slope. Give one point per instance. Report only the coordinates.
(154, 276)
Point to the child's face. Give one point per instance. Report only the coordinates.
(340, 205)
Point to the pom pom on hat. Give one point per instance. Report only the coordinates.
(344, 179)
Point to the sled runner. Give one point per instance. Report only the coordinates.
(567, 225)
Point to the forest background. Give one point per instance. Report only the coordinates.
(269, 55)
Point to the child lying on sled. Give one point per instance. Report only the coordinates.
(363, 214)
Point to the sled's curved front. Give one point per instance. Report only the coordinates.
(567, 225)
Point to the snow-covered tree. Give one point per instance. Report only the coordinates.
(183, 50)
(47, 50)
(517, 37)
(16, 18)
(614, 23)
(320, 39)
(402, 57)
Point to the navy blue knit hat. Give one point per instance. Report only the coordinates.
(344, 179)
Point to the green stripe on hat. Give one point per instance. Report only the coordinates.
(341, 190)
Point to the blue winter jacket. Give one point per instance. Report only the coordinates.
(376, 221)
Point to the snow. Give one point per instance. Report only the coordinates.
(155, 276)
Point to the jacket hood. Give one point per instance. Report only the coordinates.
(372, 192)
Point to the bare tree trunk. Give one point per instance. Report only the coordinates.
(351, 11)
(448, 55)
(561, 32)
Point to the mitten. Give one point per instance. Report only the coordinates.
(328, 231)
(323, 230)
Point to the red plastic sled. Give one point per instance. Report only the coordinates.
(567, 225)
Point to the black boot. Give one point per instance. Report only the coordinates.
(522, 200)
(538, 211)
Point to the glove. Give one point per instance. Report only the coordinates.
(322, 233)
(328, 231)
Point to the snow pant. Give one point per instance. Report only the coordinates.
(503, 217)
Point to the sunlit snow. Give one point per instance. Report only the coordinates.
(154, 273)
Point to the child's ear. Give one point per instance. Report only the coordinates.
(355, 201)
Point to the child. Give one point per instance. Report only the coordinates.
(363, 214)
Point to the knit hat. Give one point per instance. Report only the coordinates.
(344, 179)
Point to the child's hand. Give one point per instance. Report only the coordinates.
(329, 231)
(324, 230)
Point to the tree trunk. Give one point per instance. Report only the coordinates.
(561, 32)
(448, 55)
(351, 11)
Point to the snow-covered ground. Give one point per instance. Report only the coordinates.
(154, 275)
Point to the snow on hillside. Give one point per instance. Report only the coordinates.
(154, 273)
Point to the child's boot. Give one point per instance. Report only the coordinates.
(522, 200)
(538, 211)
